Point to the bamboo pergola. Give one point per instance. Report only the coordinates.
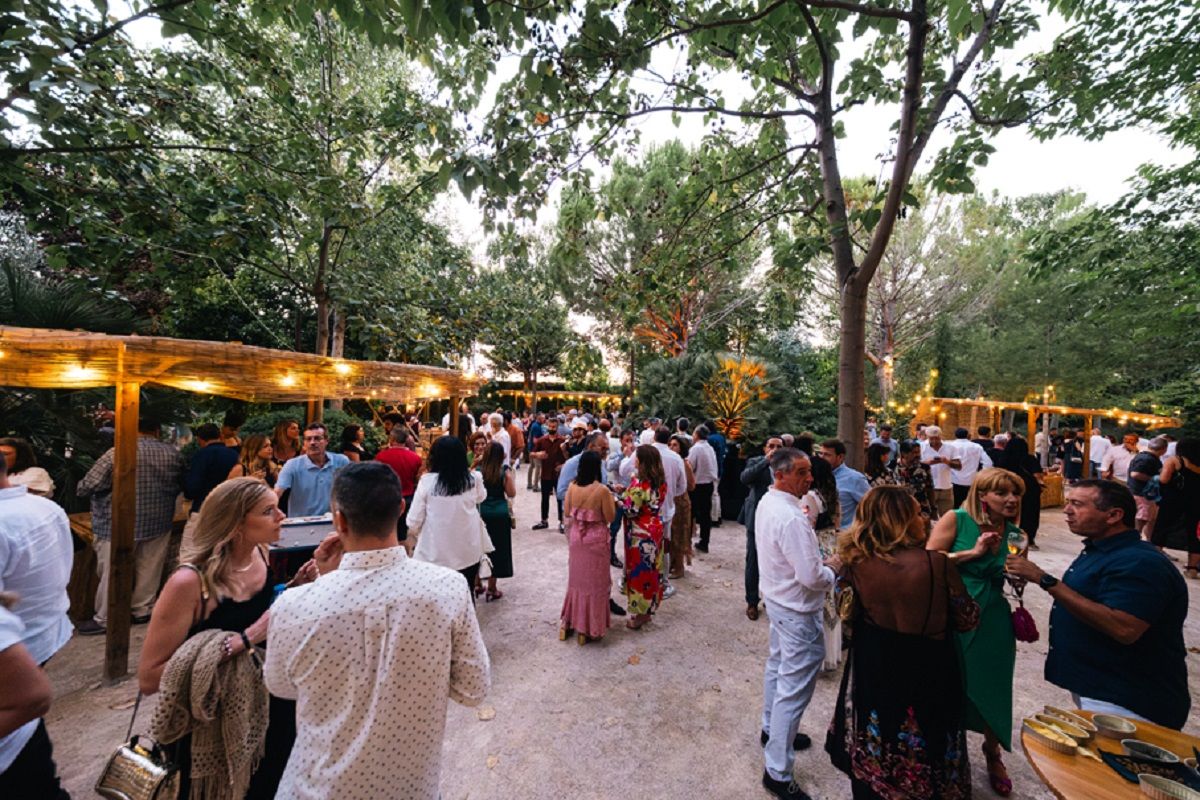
(598, 398)
(932, 410)
(59, 359)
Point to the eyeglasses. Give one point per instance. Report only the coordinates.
(314, 438)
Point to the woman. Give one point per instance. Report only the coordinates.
(1178, 523)
(223, 583)
(681, 523)
(23, 469)
(1073, 456)
(351, 446)
(1017, 459)
(589, 510)
(257, 460)
(497, 517)
(285, 441)
(821, 504)
(477, 445)
(879, 468)
(445, 511)
(975, 536)
(899, 730)
(641, 501)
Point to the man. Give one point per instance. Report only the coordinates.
(597, 442)
(1097, 446)
(404, 461)
(550, 455)
(574, 446)
(159, 475)
(390, 421)
(466, 423)
(1142, 470)
(851, 484)
(516, 438)
(716, 440)
(940, 457)
(984, 439)
(537, 429)
(704, 465)
(649, 426)
(310, 476)
(885, 438)
(922, 435)
(971, 459)
(623, 449)
(210, 467)
(35, 566)
(1115, 464)
(1116, 628)
(794, 583)
(757, 478)
(371, 652)
(914, 476)
(999, 442)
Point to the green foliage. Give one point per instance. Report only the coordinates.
(526, 330)
(583, 368)
(672, 387)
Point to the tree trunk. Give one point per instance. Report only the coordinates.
(533, 385)
(338, 350)
(852, 379)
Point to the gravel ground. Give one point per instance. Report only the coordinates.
(669, 711)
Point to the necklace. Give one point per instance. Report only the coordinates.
(247, 567)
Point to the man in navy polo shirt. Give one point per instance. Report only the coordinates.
(1116, 629)
(310, 476)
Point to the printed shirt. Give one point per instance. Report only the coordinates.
(916, 479)
(1149, 677)
(676, 475)
(790, 572)
(372, 652)
(159, 480)
(311, 485)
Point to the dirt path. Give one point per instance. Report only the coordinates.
(670, 711)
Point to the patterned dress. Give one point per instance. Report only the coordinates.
(643, 546)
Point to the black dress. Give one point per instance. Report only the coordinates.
(494, 512)
(1179, 513)
(236, 616)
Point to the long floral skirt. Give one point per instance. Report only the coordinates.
(643, 562)
(831, 622)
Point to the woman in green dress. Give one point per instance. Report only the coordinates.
(975, 537)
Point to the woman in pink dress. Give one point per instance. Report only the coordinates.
(589, 510)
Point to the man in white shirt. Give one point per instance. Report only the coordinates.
(1115, 464)
(940, 457)
(1097, 446)
(371, 652)
(704, 464)
(497, 433)
(793, 581)
(35, 566)
(971, 458)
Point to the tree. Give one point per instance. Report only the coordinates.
(583, 368)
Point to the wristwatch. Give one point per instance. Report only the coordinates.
(1047, 582)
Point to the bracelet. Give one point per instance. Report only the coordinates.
(227, 648)
(246, 641)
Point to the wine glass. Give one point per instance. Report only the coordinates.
(1018, 542)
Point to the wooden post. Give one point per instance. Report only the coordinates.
(455, 402)
(315, 409)
(1087, 446)
(121, 553)
(1033, 415)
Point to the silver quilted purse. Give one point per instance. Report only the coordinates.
(137, 771)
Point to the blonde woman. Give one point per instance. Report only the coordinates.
(898, 727)
(975, 537)
(223, 583)
(285, 441)
(257, 460)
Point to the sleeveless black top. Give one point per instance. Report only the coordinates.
(237, 615)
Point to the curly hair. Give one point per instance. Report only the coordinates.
(882, 525)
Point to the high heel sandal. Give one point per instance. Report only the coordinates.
(1001, 784)
(562, 634)
(493, 595)
(582, 638)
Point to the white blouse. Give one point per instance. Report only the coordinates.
(449, 530)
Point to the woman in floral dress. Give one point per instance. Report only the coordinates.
(642, 502)
(822, 505)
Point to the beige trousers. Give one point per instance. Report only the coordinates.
(148, 569)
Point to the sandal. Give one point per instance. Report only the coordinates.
(478, 589)
(997, 774)
(563, 633)
(752, 613)
(496, 595)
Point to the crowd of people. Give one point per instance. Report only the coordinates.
(917, 554)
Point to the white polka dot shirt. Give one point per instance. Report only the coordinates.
(371, 652)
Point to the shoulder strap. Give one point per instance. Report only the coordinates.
(204, 593)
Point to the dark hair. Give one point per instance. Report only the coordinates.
(701, 433)
(683, 425)
(662, 435)
(209, 432)
(710, 424)
(394, 418)
(908, 445)
(1189, 449)
(149, 424)
(349, 434)
(448, 458)
(492, 463)
(367, 494)
(589, 468)
(316, 426)
(825, 485)
(234, 418)
(650, 466)
(1109, 495)
(875, 464)
(804, 442)
(684, 443)
(961, 433)
(984, 430)
(24, 458)
(836, 445)
(885, 427)
(1013, 456)
(592, 438)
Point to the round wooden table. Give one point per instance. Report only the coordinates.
(1076, 777)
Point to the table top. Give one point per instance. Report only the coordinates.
(1075, 776)
(303, 537)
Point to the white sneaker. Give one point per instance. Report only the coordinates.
(670, 590)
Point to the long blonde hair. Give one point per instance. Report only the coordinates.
(882, 525)
(220, 518)
(989, 480)
(250, 461)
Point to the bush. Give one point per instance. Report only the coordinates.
(335, 420)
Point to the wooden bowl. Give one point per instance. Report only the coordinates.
(1165, 789)
(1078, 734)
(1136, 747)
(1114, 727)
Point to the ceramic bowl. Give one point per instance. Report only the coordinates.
(1114, 727)
(1164, 789)
(1136, 747)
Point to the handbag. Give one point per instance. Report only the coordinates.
(137, 771)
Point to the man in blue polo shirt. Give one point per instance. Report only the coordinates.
(1116, 629)
(310, 476)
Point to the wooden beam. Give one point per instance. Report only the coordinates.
(1033, 415)
(124, 510)
(1087, 446)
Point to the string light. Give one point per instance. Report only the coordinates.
(342, 368)
(78, 372)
